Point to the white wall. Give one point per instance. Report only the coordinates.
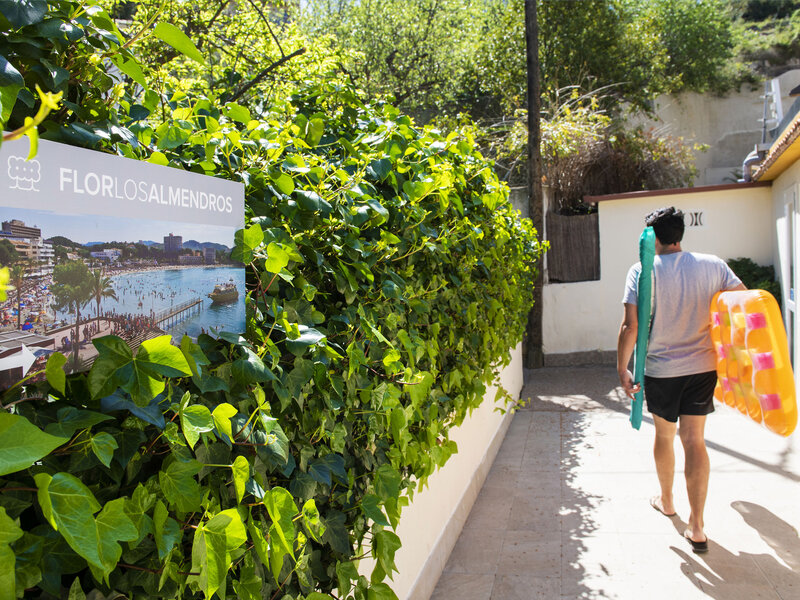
(431, 524)
(585, 316)
(786, 188)
(727, 124)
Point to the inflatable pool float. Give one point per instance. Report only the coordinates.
(644, 306)
(754, 370)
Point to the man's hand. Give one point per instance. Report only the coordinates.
(626, 379)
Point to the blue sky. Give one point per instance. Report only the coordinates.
(95, 228)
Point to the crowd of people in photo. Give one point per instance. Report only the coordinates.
(125, 325)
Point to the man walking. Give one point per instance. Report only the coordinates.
(680, 369)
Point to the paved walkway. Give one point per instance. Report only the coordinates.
(564, 511)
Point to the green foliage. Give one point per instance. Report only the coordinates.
(406, 50)
(629, 49)
(388, 276)
(756, 277)
(585, 152)
(767, 36)
(8, 253)
(244, 52)
(61, 48)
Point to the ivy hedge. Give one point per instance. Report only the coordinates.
(388, 277)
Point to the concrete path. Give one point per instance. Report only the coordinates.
(564, 512)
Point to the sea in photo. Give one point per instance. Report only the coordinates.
(136, 279)
(160, 293)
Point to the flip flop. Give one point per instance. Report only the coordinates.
(654, 503)
(697, 547)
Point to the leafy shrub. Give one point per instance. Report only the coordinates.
(388, 276)
(756, 277)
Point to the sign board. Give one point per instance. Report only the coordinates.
(109, 245)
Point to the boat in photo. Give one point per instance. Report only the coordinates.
(224, 293)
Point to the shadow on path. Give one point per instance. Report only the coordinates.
(721, 571)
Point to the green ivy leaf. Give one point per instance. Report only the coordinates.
(282, 510)
(248, 586)
(284, 183)
(387, 482)
(179, 486)
(211, 550)
(277, 258)
(71, 419)
(158, 158)
(246, 241)
(172, 138)
(241, 473)
(142, 376)
(103, 445)
(346, 573)
(308, 337)
(29, 563)
(316, 127)
(173, 36)
(222, 418)
(23, 12)
(54, 371)
(195, 419)
(258, 539)
(209, 558)
(384, 546)
(420, 388)
(251, 369)
(76, 591)
(379, 169)
(167, 532)
(22, 443)
(311, 520)
(299, 376)
(159, 356)
(194, 356)
(72, 506)
(238, 113)
(9, 533)
(131, 68)
(372, 510)
(380, 591)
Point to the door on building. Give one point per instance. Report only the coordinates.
(790, 263)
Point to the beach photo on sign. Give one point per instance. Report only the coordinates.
(79, 277)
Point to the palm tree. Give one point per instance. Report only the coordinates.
(101, 288)
(17, 278)
(71, 290)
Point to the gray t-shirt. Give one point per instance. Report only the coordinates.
(680, 334)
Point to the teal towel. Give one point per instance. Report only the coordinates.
(647, 252)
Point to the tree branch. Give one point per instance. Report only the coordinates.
(266, 22)
(266, 72)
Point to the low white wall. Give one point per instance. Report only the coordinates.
(585, 316)
(431, 524)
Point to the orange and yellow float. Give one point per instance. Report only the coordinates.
(754, 370)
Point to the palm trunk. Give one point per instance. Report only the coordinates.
(19, 310)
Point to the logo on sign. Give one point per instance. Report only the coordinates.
(696, 219)
(24, 173)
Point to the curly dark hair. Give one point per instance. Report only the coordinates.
(667, 223)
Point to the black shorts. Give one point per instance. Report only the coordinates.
(670, 397)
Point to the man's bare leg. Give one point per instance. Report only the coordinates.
(697, 471)
(664, 454)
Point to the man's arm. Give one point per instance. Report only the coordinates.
(625, 345)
